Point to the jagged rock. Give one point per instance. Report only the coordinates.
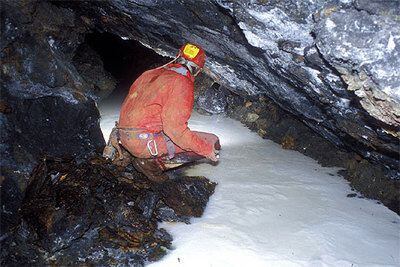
(365, 50)
(49, 110)
(185, 195)
(95, 213)
(48, 125)
(252, 117)
(212, 100)
(38, 42)
(166, 214)
(38, 46)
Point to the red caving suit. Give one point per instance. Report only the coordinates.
(161, 100)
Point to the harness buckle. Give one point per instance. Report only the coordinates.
(143, 136)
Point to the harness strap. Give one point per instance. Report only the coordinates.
(170, 146)
(139, 133)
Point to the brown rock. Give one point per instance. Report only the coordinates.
(252, 117)
(5, 107)
(288, 142)
(248, 104)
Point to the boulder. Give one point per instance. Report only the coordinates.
(37, 127)
(95, 213)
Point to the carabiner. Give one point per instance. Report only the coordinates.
(155, 153)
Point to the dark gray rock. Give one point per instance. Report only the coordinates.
(39, 43)
(38, 127)
(50, 107)
(95, 213)
(90, 66)
(389, 8)
(212, 100)
(187, 196)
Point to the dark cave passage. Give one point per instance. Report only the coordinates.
(125, 60)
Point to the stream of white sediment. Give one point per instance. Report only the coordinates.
(276, 207)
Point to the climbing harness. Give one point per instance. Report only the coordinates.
(138, 133)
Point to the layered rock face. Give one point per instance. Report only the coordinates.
(94, 213)
(333, 64)
(47, 105)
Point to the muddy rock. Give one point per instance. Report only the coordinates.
(185, 195)
(252, 117)
(372, 181)
(94, 213)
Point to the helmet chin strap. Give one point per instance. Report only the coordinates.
(197, 72)
(170, 62)
(193, 67)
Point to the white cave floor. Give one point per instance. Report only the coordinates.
(276, 207)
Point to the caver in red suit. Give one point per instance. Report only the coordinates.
(154, 115)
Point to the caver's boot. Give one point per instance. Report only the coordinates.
(109, 152)
(181, 159)
(113, 146)
(152, 168)
(123, 160)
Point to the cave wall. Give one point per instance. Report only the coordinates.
(47, 106)
(333, 64)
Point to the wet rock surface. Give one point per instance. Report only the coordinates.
(332, 64)
(212, 100)
(47, 107)
(270, 121)
(95, 212)
(39, 42)
(37, 127)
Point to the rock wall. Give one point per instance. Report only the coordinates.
(332, 64)
(47, 106)
(272, 122)
(95, 213)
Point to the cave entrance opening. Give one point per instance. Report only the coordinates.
(125, 60)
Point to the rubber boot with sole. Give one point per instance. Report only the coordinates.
(151, 168)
